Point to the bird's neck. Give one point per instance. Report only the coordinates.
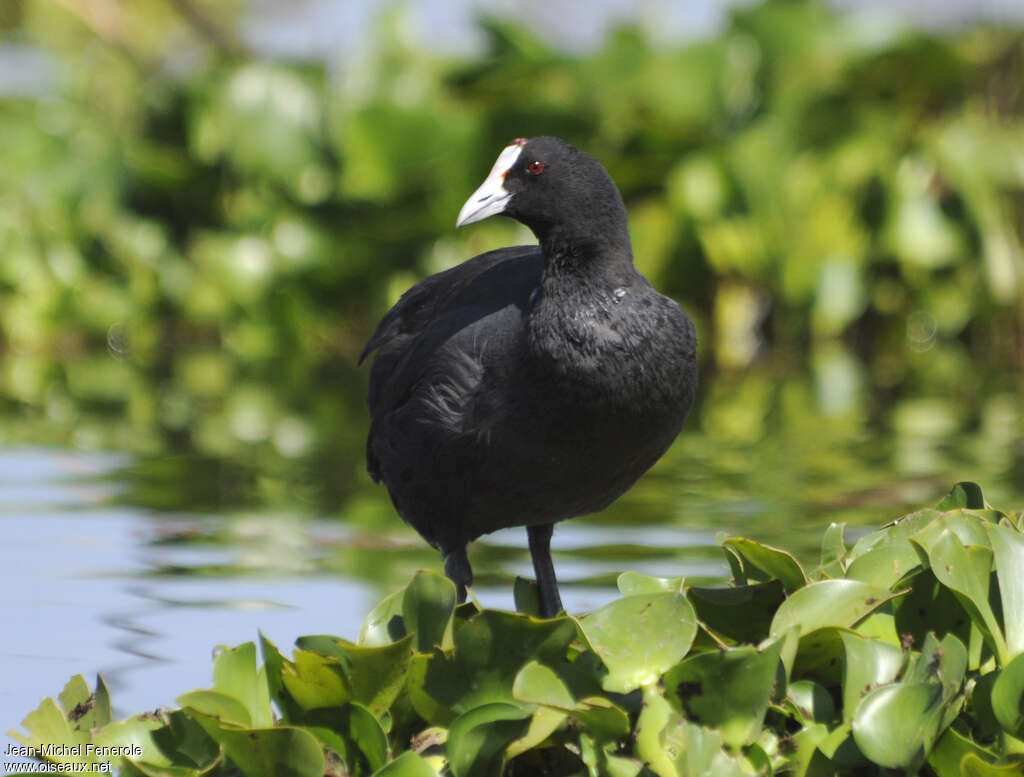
(578, 255)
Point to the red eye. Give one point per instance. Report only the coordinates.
(536, 167)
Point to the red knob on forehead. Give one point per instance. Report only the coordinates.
(518, 142)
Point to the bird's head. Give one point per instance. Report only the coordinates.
(558, 191)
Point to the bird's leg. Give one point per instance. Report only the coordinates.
(540, 552)
(458, 570)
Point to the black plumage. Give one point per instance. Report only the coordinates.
(529, 384)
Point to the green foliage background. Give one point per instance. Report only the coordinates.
(196, 240)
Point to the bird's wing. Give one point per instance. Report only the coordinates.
(435, 310)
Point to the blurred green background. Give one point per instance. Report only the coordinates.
(196, 239)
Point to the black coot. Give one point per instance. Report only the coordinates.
(529, 384)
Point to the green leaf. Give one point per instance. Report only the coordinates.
(1008, 697)
(146, 732)
(427, 610)
(763, 562)
(739, 613)
(884, 565)
(630, 583)
(235, 673)
(654, 717)
(477, 739)
(80, 706)
(490, 649)
(601, 762)
(699, 752)
(1008, 549)
(812, 701)
(217, 706)
(408, 764)
(828, 603)
(949, 752)
(963, 494)
(266, 752)
(639, 637)
(833, 551)
(867, 664)
(183, 741)
(274, 663)
(895, 725)
(385, 623)
(526, 595)
(973, 766)
(47, 725)
(344, 671)
(538, 684)
(930, 607)
(966, 573)
(727, 690)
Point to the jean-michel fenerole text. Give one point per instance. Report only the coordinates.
(86, 750)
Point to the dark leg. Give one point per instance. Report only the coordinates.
(540, 552)
(456, 566)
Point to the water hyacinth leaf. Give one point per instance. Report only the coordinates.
(526, 596)
(819, 656)
(805, 758)
(698, 751)
(966, 573)
(941, 661)
(896, 725)
(216, 705)
(826, 603)
(408, 764)
(478, 738)
(274, 663)
(266, 752)
(1008, 697)
(543, 723)
(763, 562)
(315, 681)
(84, 709)
(930, 607)
(490, 649)
(427, 610)
(1008, 548)
(236, 673)
(384, 624)
(950, 750)
(367, 734)
(867, 664)
(726, 690)
(183, 741)
(811, 701)
(639, 637)
(46, 725)
(963, 495)
(650, 725)
(538, 684)
(141, 732)
(604, 720)
(973, 766)
(740, 613)
(602, 763)
(901, 529)
(373, 676)
(885, 564)
(968, 526)
(630, 583)
(833, 551)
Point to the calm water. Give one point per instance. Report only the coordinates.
(94, 577)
